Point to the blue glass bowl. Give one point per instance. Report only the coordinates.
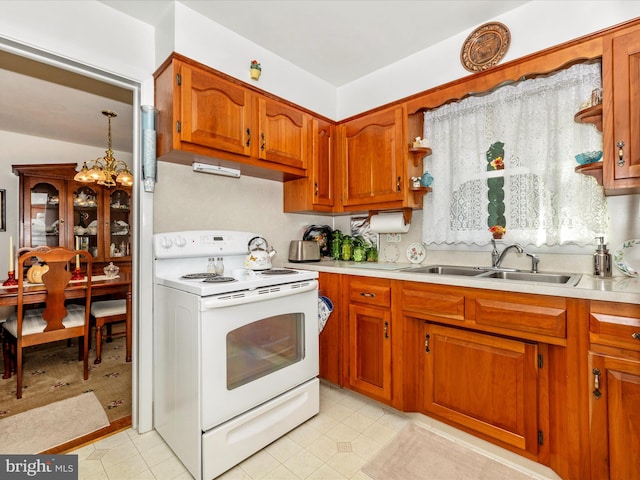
(588, 157)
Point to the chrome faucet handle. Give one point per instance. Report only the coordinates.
(534, 262)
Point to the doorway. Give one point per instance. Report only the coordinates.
(54, 120)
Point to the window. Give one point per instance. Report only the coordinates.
(507, 158)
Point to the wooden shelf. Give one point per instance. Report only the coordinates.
(594, 169)
(419, 192)
(419, 153)
(591, 115)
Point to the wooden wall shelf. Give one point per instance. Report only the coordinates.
(419, 153)
(591, 115)
(594, 169)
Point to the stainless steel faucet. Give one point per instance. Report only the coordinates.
(497, 257)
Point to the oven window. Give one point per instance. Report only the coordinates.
(263, 347)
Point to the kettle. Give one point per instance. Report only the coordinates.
(260, 255)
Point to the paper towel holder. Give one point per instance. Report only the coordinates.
(406, 215)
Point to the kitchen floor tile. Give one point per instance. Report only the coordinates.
(334, 445)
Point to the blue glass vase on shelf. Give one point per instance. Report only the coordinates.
(426, 180)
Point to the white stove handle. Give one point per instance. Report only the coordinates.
(251, 296)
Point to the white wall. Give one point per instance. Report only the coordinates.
(534, 26)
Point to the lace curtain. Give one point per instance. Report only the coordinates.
(533, 187)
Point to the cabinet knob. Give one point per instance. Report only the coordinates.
(636, 335)
(264, 142)
(386, 329)
(367, 294)
(427, 337)
(248, 137)
(620, 154)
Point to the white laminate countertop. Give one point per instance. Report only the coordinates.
(615, 289)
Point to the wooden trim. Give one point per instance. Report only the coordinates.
(114, 427)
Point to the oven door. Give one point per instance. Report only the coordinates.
(257, 349)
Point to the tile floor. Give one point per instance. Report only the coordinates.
(334, 445)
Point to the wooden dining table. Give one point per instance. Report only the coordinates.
(100, 288)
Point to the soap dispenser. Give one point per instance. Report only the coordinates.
(601, 259)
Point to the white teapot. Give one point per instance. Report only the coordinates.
(260, 255)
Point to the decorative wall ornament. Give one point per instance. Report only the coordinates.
(485, 46)
(255, 70)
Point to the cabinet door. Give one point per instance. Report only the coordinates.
(483, 382)
(117, 224)
(615, 417)
(284, 133)
(373, 159)
(370, 351)
(215, 113)
(44, 213)
(332, 335)
(624, 74)
(88, 234)
(322, 172)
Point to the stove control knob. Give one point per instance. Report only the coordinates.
(166, 243)
(180, 241)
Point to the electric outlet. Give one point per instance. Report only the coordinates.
(393, 238)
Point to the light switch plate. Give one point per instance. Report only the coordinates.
(393, 238)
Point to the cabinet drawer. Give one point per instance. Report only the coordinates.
(615, 324)
(370, 291)
(541, 316)
(433, 301)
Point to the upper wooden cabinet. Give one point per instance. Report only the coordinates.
(284, 133)
(204, 113)
(373, 152)
(315, 193)
(621, 112)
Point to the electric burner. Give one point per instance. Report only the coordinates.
(217, 279)
(279, 271)
(197, 276)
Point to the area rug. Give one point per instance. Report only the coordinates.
(419, 454)
(52, 373)
(45, 427)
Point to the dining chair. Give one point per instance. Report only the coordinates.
(57, 320)
(107, 312)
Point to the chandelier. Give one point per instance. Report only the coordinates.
(106, 170)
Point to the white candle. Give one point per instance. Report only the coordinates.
(77, 256)
(11, 254)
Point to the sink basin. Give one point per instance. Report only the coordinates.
(483, 272)
(557, 278)
(448, 270)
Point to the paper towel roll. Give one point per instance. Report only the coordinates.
(388, 223)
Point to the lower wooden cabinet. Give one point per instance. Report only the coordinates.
(370, 338)
(614, 368)
(332, 335)
(482, 382)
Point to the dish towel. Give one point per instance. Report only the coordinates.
(325, 307)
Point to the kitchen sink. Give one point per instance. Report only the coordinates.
(448, 270)
(569, 279)
(557, 278)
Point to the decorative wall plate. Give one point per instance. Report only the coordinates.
(390, 252)
(626, 257)
(416, 253)
(485, 46)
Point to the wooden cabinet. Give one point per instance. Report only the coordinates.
(614, 367)
(621, 113)
(204, 113)
(315, 193)
(55, 210)
(333, 336)
(284, 133)
(370, 334)
(373, 160)
(482, 382)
